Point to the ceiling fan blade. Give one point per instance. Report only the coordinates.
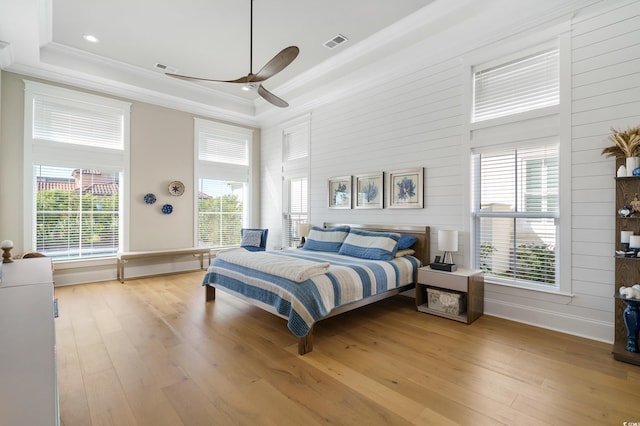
(271, 98)
(244, 79)
(277, 63)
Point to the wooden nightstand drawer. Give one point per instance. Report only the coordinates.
(443, 279)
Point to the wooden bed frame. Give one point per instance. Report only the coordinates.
(421, 246)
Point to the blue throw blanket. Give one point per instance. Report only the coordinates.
(348, 279)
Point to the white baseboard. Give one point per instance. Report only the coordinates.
(578, 326)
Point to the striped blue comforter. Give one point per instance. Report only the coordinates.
(349, 279)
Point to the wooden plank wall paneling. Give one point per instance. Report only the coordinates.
(605, 93)
(417, 120)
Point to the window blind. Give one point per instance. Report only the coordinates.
(522, 85)
(76, 212)
(220, 149)
(298, 209)
(516, 206)
(60, 120)
(296, 145)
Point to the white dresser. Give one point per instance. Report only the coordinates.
(28, 376)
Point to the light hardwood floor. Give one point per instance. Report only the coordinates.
(152, 352)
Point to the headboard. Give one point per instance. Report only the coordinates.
(422, 233)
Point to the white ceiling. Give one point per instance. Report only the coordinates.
(210, 38)
(207, 38)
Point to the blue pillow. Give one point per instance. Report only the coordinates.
(326, 239)
(406, 241)
(370, 245)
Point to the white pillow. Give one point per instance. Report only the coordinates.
(251, 238)
(405, 252)
(370, 244)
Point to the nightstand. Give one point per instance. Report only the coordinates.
(465, 282)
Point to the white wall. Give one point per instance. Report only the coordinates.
(417, 119)
(162, 147)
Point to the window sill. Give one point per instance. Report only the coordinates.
(552, 295)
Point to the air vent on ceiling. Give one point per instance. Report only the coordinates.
(166, 68)
(335, 42)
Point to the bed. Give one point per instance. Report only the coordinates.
(342, 267)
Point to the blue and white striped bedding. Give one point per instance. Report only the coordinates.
(349, 279)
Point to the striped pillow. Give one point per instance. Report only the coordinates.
(370, 245)
(326, 239)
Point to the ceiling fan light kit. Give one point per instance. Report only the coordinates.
(254, 81)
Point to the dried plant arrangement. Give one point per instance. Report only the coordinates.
(626, 143)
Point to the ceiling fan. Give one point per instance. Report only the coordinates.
(251, 80)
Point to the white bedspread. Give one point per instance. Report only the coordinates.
(293, 269)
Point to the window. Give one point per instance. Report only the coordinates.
(515, 210)
(220, 212)
(223, 154)
(76, 146)
(515, 166)
(522, 85)
(295, 167)
(77, 212)
(298, 211)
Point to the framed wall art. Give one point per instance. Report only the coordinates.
(340, 192)
(406, 189)
(368, 190)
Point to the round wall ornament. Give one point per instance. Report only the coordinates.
(167, 208)
(150, 198)
(176, 188)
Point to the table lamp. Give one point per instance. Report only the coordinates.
(303, 230)
(447, 243)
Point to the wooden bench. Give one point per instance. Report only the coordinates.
(124, 257)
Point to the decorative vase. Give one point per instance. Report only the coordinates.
(632, 321)
(622, 172)
(632, 163)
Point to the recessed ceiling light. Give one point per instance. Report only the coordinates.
(90, 38)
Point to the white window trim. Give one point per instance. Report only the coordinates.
(32, 89)
(559, 35)
(225, 171)
(295, 169)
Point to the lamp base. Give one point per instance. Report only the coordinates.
(6, 255)
(448, 267)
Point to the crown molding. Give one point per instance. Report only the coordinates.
(139, 84)
(132, 92)
(6, 55)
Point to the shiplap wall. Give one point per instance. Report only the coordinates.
(605, 94)
(418, 121)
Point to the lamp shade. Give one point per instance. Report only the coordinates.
(303, 229)
(634, 241)
(447, 240)
(625, 236)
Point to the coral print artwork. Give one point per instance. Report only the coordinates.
(369, 190)
(340, 192)
(406, 188)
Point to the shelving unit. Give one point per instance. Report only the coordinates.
(627, 269)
